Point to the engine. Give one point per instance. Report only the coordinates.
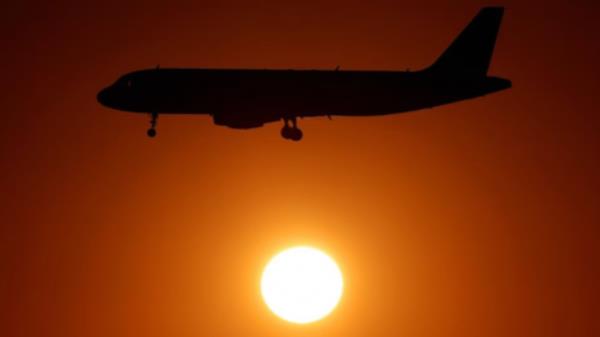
(243, 120)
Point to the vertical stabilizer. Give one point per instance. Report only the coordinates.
(471, 53)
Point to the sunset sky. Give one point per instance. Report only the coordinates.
(477, 219)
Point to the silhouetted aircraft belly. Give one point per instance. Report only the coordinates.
(246, 98)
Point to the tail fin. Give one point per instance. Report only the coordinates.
(470, 54)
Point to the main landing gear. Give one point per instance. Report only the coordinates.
(152, 131)
(291, 132)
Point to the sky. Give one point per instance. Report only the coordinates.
(479, 218)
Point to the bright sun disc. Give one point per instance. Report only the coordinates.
(301, 285)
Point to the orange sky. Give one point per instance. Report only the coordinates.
(475, 219)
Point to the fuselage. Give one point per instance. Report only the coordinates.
(275, 94)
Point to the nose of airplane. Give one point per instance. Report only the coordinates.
(102, 97)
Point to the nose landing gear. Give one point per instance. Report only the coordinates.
(291, 132)
(152, 131)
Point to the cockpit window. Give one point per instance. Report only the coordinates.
(124, 82)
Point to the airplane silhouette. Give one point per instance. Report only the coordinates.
(248, 98)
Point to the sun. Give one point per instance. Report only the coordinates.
(302, 285)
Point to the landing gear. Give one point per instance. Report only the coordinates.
(291, 132)
(152, 131)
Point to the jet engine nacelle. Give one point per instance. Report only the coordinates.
(241, 120)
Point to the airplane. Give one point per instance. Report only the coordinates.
(250, 98)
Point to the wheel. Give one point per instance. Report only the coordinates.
(296, 135)
(151, 133)
(286, 132)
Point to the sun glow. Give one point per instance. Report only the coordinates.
(301, 285)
